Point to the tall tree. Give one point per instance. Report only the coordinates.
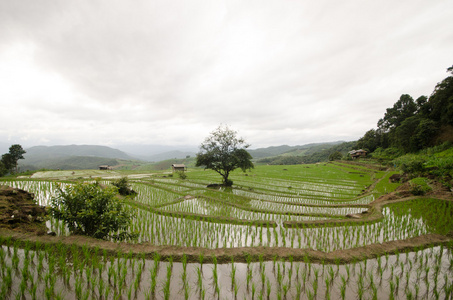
(17, 152)
(223, 152)
(404, 108)
(8, 162)
(440, 104)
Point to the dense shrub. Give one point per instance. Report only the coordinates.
(182, 174)
(412, 164)
(123, 186)
(88, 209)
(419, 186)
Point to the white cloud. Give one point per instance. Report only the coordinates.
(164, 72)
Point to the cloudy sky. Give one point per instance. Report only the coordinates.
(167, 72)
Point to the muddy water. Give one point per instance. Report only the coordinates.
(424, 274)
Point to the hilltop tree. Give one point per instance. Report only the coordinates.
(224, 152)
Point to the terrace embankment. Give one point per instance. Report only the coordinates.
(19, 212)
(30, 228)
(374, 214)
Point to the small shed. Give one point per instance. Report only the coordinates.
(357, 153)
(178, 167)
(105, 167)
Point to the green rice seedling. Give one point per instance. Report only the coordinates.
(328, 283)
(199, 279)
(314, 284)
(200, 259)
(360, 287)
(343, 287)
(166, 288)
(268, 288)
(263, 276)
(15, 259)
(215, 276)
(310, 295)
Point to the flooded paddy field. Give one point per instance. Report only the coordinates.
(324, 231)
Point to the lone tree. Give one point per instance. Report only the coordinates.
(89, 209)
(224, 152)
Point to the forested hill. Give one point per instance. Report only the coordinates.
(412, 125)
(311, 153)
(70, 157)
(290, 150)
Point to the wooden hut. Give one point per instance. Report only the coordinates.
(357, 153)
(178, 167)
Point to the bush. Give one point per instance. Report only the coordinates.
(419, 186)
(89, 209)
(412, 164)
(182, 174)
(124, 188)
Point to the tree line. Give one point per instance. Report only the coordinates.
(411, 125)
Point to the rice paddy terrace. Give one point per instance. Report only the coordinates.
(324, 231)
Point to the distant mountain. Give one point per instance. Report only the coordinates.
(291, 150)
(170, 155)
(39, 152)
(69, 163)
(147, 151)
(71, 157)
(308, 154)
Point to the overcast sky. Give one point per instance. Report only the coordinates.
(169, 72)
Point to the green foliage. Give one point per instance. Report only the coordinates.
(3, 169)
(411, 125)
(419, 186)
(123, 186)
(88, 209)
(9, 160)
(182, 175)
(335, 156)
(223, 152)
(412, 164)
(387, 153)
(404, 108)
(369, 141)
(315, 156)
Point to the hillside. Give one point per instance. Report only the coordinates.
(310, 153)
(71, 157)
(291, 150)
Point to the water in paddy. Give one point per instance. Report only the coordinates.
(423, 274)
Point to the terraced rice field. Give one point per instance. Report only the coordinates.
(281, 232)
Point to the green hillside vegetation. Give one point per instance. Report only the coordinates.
(166, 164)
(410, 126)
(286, 150)
(417, 136)
(314, 154)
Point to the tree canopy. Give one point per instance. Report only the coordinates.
(9, 160)
(223, 152)
(414, 125)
